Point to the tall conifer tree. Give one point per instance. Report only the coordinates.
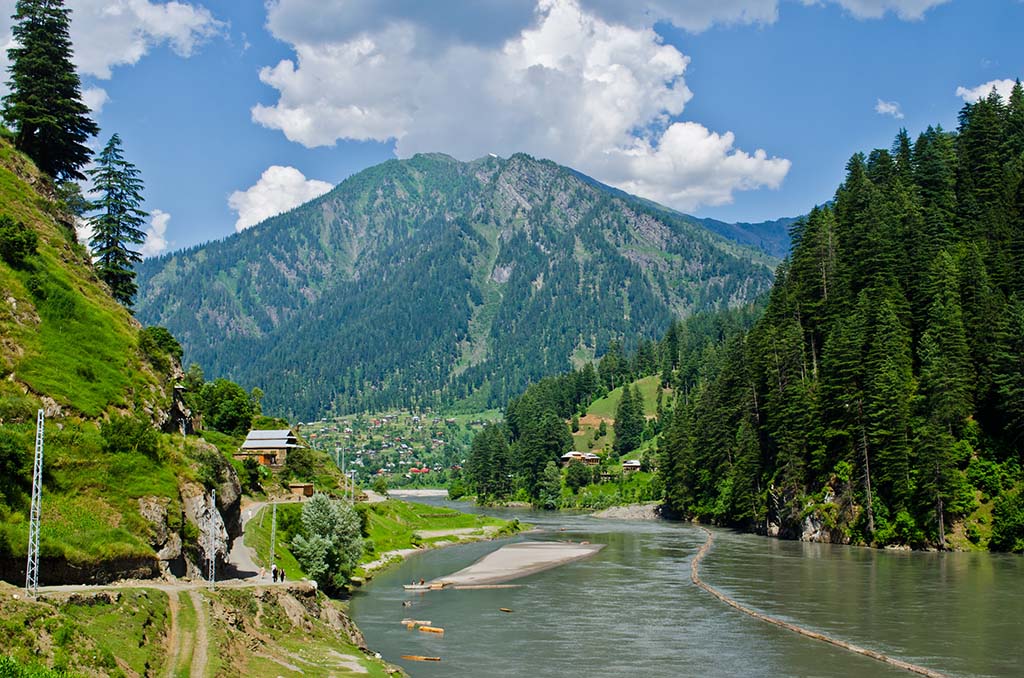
(51, 123)
(117, 224)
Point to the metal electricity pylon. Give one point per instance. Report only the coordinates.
(32, 567)
(211, 542)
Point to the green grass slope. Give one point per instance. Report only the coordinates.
(66, 346)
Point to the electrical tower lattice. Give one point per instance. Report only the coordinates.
(32, 567)
(211, 545)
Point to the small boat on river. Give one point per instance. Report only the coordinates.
(416, 587)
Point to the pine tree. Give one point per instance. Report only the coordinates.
(117, 225)
(629, 420)
(45, 108)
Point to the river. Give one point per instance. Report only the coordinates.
(631, 610)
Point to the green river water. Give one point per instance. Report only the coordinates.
(631, 610)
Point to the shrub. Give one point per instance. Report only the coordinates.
(1008, 522)
(17, 242)
(157, 343)
(130, 434)
(299, 463)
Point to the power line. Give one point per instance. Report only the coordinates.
(32, 567)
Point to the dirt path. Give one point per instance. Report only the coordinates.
(856, 649)
(199, 652)
(173, 635)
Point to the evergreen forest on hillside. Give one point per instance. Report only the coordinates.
(430, 282)
(880, 398)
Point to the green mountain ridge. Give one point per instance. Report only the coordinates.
(429, 281)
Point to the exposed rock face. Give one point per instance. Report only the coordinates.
(212, 540)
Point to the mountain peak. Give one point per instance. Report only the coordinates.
(428, 280)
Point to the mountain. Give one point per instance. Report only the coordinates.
(428, 280)
(771, 237)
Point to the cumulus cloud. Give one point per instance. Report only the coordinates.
(889, 108)
(972, 94)
(95, 98)
(156, 234)
(599, 96)
(83, 231)
(109, 33)
(278, 190)
(908, 10)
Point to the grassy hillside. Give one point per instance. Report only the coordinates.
(603, 409)
(66, 346)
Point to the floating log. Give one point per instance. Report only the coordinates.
(504, 609)
(476, 587)
(432, 629)
(420, 658)
(856, 649)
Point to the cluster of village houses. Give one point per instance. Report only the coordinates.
(270, 448)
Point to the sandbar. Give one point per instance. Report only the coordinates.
(519, 560)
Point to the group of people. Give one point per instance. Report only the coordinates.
(276, 573)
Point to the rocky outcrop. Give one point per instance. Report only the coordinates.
(212, 540)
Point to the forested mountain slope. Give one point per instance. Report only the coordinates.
(881, 397)
(428, 280)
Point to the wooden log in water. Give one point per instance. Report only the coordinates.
(432, 629)
(420, 658)
(892, 661)
(477, 587)
(504, 609)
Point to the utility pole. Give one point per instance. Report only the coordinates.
(32, 567)
(273, 532)
(344, 455)
(211, 546)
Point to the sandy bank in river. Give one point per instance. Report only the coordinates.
(648, 511)
(519, 560)
(417, 493)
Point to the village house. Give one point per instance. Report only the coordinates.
(630, 466)
(569, 457)
(268, 447)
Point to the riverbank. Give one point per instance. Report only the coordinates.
(646, 511)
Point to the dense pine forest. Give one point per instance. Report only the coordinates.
(880, 397)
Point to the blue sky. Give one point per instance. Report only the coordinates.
(738, 110)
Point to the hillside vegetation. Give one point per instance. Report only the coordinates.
(880, 398)
(424, 282)
(105, 384)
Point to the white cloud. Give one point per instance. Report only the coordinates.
(95, 98)
(83, 231)
(908, 10)
(889, 108)
(598, 96)
(278, 190)
(156, 234)
(972, 94)
(109, 33)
